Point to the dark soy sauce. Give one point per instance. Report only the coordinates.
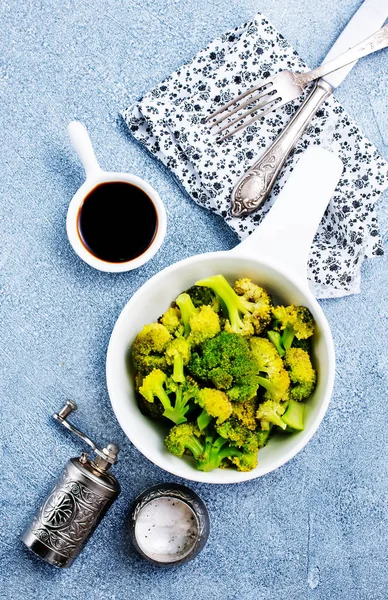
(117, 221)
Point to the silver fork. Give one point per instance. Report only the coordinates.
(284, 87)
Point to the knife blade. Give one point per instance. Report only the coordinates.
(256, 184)
(371, 15)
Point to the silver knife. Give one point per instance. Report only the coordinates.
(256, 184)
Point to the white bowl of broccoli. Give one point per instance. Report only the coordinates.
(274, 258)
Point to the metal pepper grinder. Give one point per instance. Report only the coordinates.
(77, 503)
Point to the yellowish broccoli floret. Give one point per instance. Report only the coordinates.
(173, 398)
(245, 412)
(246, 461)
(244, 315)
(294, 321)
(269, 413)
(302, 374)
(171, 319)
(261, 312)
(204, 324)
(277, 380)
(242, 437)
(215, 403)
(149, 347)
(178, 354)
(246, 326)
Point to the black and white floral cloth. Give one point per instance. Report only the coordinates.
(169, 122)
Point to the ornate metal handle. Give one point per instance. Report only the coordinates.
(255, 185)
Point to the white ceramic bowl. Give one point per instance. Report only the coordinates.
(274, 256)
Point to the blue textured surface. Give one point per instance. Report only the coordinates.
(316, 528)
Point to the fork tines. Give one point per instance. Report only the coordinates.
(262, 98)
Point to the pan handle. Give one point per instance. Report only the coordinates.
(286, 233)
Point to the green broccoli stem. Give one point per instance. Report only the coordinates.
(276, 339)
(177, 373)
(288, 337)
(214, 453)
(175, 413)
(187, 308)
(203, 420)
(234, 304)
(194, 445)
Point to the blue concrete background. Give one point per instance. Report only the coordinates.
(316, 529)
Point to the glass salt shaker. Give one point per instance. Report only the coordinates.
(169, 524)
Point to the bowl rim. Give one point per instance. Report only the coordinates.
(234, 476)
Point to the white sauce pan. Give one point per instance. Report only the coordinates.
(275, 257)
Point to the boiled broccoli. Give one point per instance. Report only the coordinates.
(245, 412)
(222, 360)
(178, 354)
(204, 324)
(302, 374)
(260, 302)
(247, 313)
(245, 461)
(174, 397)
(208, 452)
(149, 347)
(293, 321)
(203, 296)
(214, 404)
(171, 319)
(199, 324)
(269, 362)
(270, 412)
(244, 389)
(242, 437)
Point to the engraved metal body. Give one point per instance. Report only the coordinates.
(76, 504)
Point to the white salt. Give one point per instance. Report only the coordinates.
(166, 529)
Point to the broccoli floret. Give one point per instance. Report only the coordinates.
(244, 388)
(294, 416)
(215, 403)
(235, 432)
(203, 296)
(208, 453)
(259, 300)
(184, 437)
(270, 412)
(149, 347)
(245, 316)
(171, 319)
(269, 362)
(294, 321)
(302, 374)
(174, 397)
(245, 412)
(222, 360)
(246, 461)
(178, 354)
(204, 324)
(199, 324)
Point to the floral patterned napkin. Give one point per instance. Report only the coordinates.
(168, 121)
